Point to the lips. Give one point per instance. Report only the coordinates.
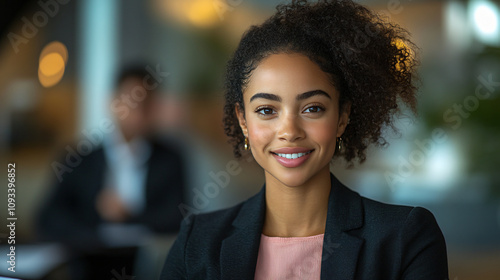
(291, 156)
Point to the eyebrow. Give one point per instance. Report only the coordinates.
(268, 96)
(312, 93)
(299, 97)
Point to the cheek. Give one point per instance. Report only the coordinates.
(323, 133)
(260, 135)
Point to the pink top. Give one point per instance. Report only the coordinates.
(289, 257)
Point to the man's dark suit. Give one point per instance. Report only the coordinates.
(70, 215)
(364, 239)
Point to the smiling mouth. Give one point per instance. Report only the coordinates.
(294, 155)
(292, 160)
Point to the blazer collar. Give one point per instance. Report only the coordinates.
(340, 249)
(240, 249)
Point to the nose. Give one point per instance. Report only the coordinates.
(290, 128)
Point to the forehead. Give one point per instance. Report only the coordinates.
(288, 74)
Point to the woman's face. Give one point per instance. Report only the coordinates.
(291, 118)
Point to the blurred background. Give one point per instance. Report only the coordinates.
(58, 65)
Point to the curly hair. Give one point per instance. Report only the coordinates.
(371, 63)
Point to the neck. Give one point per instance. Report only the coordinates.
(299, 210)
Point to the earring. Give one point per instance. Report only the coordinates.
(247, 147)
(339, 143)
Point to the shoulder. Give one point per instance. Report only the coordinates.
(410, 234)
(208, 230)
(211, 225)
(405, 237)
(376, 221)
(199, 241)
(378, 214)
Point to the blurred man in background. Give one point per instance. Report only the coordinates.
(127, 188)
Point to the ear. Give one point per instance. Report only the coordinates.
(344, 118)
(240, 114)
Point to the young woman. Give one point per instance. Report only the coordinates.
(313, 82)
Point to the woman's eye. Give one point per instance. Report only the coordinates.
(265, 111)
(313, 109)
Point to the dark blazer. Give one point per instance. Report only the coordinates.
(364, 239)
(69, 214)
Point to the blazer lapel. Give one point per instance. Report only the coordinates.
(239, 251)
(340, 249)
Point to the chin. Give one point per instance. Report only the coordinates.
(292, 177)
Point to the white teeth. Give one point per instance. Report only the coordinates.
(293, 156)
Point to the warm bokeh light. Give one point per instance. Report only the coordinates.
(55, 47)
(200, 13)
(52, 64)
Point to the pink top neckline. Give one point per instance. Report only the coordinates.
(289, 257)
(290, 239)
